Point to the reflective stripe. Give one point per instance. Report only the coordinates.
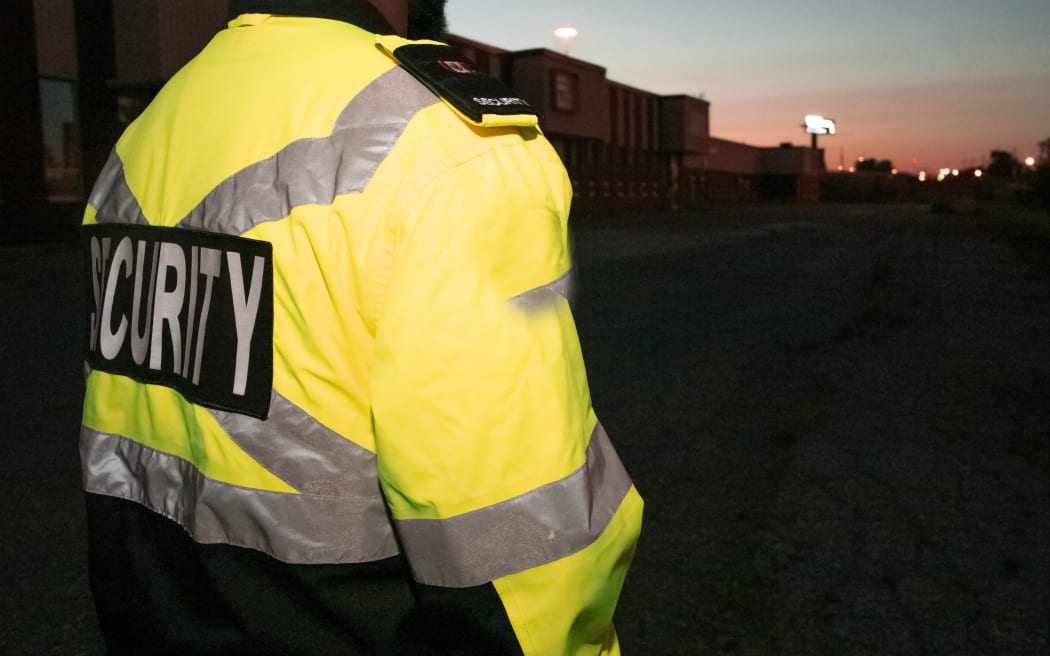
(112, 198)
(315, 171)
(535, 528)
(547, 294)
(305, 172)
(303, 452)
(335, 519)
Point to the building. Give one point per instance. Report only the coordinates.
(94, 64)
(627, 147)
(84, 69)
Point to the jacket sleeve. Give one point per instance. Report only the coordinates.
(507, 495)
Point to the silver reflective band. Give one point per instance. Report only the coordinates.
(533, 529)
(111, 197)
(315, 171)
(544, 296)
(294, 528)
(305, 172)
(303, 452)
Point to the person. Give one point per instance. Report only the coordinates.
(335, 399)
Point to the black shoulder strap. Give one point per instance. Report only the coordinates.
(455, 80)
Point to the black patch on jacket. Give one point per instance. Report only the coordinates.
(455, 79)
(186, 309)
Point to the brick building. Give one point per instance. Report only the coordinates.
(627, 147)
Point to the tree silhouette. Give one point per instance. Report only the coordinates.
(875, 165)
(1004, 166)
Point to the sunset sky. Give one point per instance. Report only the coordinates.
(926, 83)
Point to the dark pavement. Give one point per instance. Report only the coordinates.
(839, 417)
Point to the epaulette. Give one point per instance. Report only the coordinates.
(478, 98)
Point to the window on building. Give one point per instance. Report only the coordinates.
(63, 167)
(59, 119)
(565, 88)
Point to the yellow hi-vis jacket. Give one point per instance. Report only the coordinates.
(328, 322)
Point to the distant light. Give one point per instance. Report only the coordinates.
(955, 171)
(922, 176)
(978, 173)
(565, 33)
(1029, 161)
(860, 159)
(893, 171)
(852, 170)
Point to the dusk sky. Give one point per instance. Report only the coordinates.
(926, 83)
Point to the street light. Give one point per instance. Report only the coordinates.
(816, 124)
(565, 33)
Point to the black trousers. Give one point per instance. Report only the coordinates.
(157, 591)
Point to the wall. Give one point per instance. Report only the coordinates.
(22, 184)
(534, 75)
(684, 124)
(186, 26)
(154, 38)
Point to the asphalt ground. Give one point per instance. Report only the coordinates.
(839, 417)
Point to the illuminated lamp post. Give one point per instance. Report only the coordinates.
(565, 33)
(816, 125)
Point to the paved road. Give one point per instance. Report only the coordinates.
(838, 416)
(842, 429)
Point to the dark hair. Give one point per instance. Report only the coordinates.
(358, 12)
(426, 19)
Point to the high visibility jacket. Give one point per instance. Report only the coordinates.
(328, 323)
